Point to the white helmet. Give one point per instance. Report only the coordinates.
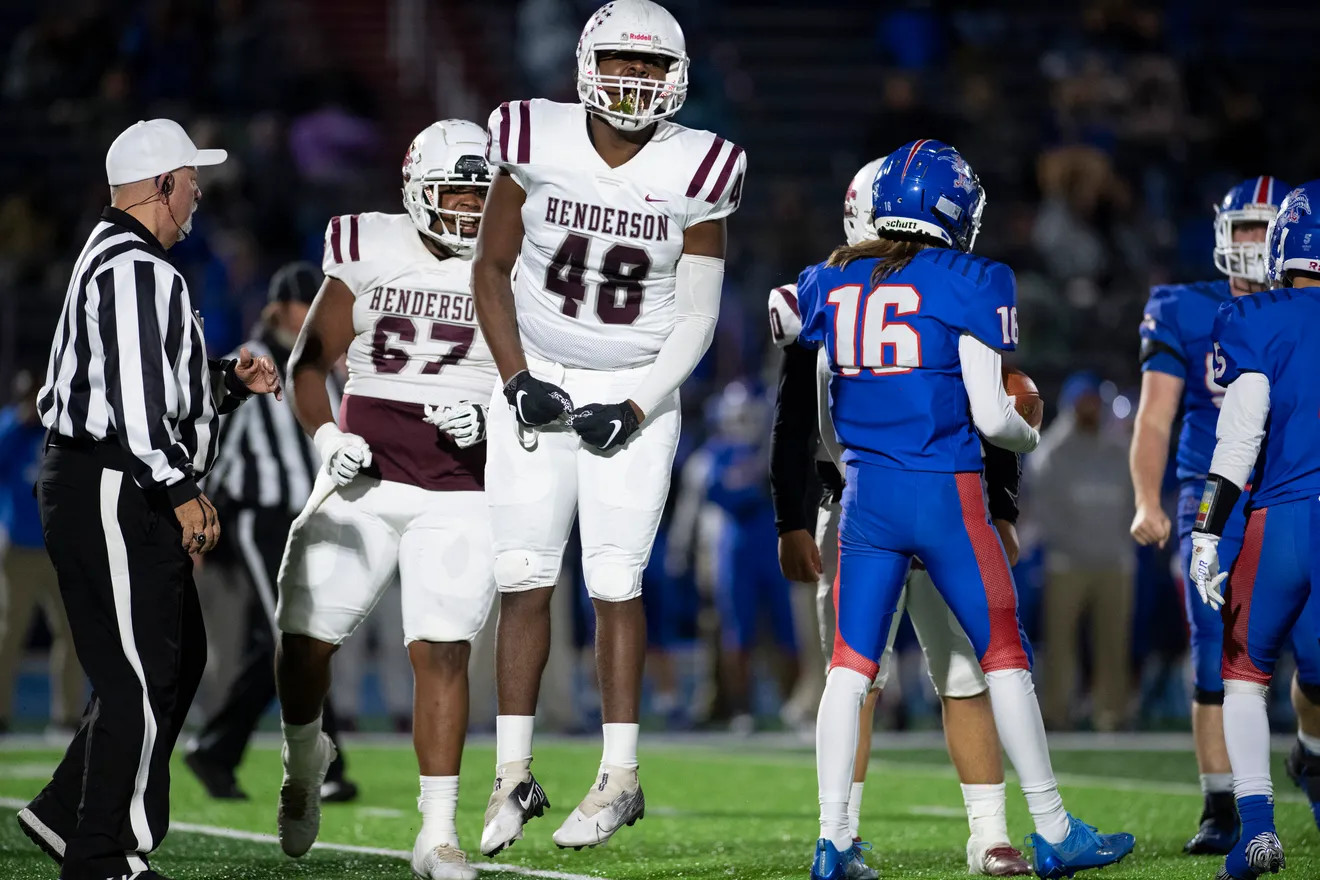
(451, 152)
(858, 209)
(632, 26)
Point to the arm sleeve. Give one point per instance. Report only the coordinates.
(227, 389)
(1003, 476)
(697, 297)
(990, 304)
(141, 386)
(992, 411)
(790, 439)
(1241, 428)
(1161, 346)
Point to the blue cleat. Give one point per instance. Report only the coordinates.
(1262, 854)
(830, 863)
(1304, 770)
(1083, 848)
(857, 868)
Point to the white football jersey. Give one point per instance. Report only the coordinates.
(417, 339)
(594, 283)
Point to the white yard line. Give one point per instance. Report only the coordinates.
(257, 837)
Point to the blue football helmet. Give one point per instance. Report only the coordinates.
(926, 188)
(1254, 200)
(740, 413)
(1294, 235)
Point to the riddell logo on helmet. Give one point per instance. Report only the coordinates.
(640, 38)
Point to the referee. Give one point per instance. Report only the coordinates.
(130, 404)
(264, 476)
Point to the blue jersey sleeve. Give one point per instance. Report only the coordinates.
(811, 307)
(1239, 347)
(1161, 345)
(990, 308)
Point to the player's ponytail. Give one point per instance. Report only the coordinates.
(891, 254)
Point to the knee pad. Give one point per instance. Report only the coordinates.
(1310, 691)
(1204, 697)
(613, 582)
(517, 570)
(963, 679)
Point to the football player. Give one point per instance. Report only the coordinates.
(1178, 372)
(406, 502)
(614, 217)
(1266, 354)
(913, 325)
(951, 661)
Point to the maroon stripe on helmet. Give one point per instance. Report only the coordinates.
(353, 238)
(504, 132)
(703, 171)
(334, 240)
(524, 133)
(912, 154)
(724, 175)
(790, 298)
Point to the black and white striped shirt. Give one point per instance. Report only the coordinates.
(129, 362)
(266, 460)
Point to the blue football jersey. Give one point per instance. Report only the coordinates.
(897, 395)
(1175, 339)
(1273, 333)
(739, 478)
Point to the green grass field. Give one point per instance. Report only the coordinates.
(740, 811)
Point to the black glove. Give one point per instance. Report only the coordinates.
(535, 402)
(605, 425)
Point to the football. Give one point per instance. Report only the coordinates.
(1025, 394)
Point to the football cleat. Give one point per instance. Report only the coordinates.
(443, 862)
(1304, 770)
(218, 780)
(299, 816)
(45, 837)
(995, 859)
(517, 798)
(858, 869)
(1215, 837)
(1083, 848)
(614, 801)
(1263, 854)
(830, 863)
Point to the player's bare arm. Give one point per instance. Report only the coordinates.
(1160, 395)
(498, 244)
(322, 342)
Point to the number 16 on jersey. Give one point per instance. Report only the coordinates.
(881, 343)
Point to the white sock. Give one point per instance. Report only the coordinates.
(986, 815)
(855, 807)
(620, 744)
(1247, 735)
(1310, 743)
(438, 803)
(836, 749)
(300, 757)
(513, 738)
(1017, 718)
(1216, 783)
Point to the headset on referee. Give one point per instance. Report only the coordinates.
(131, 404)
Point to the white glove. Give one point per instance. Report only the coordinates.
(342, 455)
(465, 423)
(1205, 571)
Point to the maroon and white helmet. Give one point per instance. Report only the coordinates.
(451, 152)
(858, 208)
(632, 26)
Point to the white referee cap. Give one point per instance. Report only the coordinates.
(152, 147)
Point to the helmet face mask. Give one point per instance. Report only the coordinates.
(448, 154)
(1252, 201)
(632, 27)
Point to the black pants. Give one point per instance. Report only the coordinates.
(253, 541)
(128, 589)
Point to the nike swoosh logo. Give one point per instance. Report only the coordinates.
(618, 426)
(518, 404)
(649, 198)
(525, 802)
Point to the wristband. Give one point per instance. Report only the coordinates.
(1217, 502)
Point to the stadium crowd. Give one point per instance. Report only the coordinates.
(1103, 136)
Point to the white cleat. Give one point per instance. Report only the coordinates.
(614, 801)
(442, 862)
(299, 817)
(517, 798)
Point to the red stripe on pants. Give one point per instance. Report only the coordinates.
(1237, 663)
(844, 655)
(1005, 648)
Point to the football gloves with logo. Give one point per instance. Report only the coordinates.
(536, 402)
(342, 455)
(605, 425)
(465, 423)
(1205, 571)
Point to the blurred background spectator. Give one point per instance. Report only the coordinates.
(1104, 131)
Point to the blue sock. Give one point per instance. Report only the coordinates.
(1257, 812)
